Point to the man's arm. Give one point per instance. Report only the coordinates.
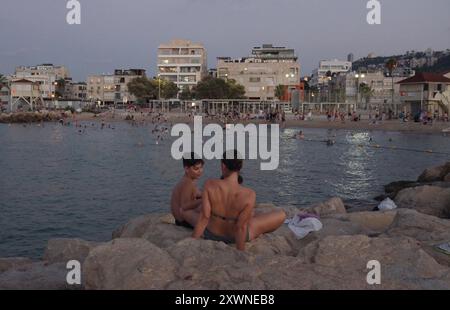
(205, 214)
(188, 199)
(243, 221)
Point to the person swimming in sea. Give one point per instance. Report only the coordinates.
(299, 135)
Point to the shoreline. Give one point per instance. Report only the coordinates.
(388, 125)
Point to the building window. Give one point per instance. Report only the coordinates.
(188, 79)
(168, 69)
(439, 87)
(426, 87)
(254, 79)
(164, 51)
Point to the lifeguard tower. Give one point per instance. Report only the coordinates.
(25, 92)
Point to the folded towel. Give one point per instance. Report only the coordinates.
(301, 225)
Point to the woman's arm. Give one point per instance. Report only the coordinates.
(244, 219)
(205, 214)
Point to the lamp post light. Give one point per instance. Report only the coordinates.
(53, 101)
(159, 86)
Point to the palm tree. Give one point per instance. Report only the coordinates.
(366, 92)
(280, 91)
(391, 64)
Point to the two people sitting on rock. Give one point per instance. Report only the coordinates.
(226, 211)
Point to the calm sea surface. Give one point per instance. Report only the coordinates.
(58, 182)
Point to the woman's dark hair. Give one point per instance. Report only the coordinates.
(233, 163)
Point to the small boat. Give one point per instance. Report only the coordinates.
(446, 130)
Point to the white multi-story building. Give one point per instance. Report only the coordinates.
(182, 62)
(46, 75)
(263, 71)
(322, 75)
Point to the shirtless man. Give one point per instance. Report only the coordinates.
(186, 196)
(227, 212)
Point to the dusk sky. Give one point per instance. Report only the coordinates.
(123, 34)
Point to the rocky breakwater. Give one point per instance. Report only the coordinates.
(429, 194)
(30, 117)
(150, 252)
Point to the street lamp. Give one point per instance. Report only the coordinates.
(159, 86)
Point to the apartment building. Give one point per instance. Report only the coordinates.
(182, 62)
(346, 85)
(112, 88)
(260, 73)
(76, 91)
(327, 68)
(45, 75)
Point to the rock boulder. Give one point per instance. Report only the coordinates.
(432, 200)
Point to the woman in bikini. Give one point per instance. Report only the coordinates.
(227, 212)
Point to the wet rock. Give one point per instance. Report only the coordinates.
(64, 250)
(435, 173)
(395, 187)
(430, 200)
(382, 197)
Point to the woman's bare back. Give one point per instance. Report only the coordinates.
(227, 204)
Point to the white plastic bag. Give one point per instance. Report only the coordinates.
(387, 204)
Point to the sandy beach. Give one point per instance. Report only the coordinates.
(318, 121)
